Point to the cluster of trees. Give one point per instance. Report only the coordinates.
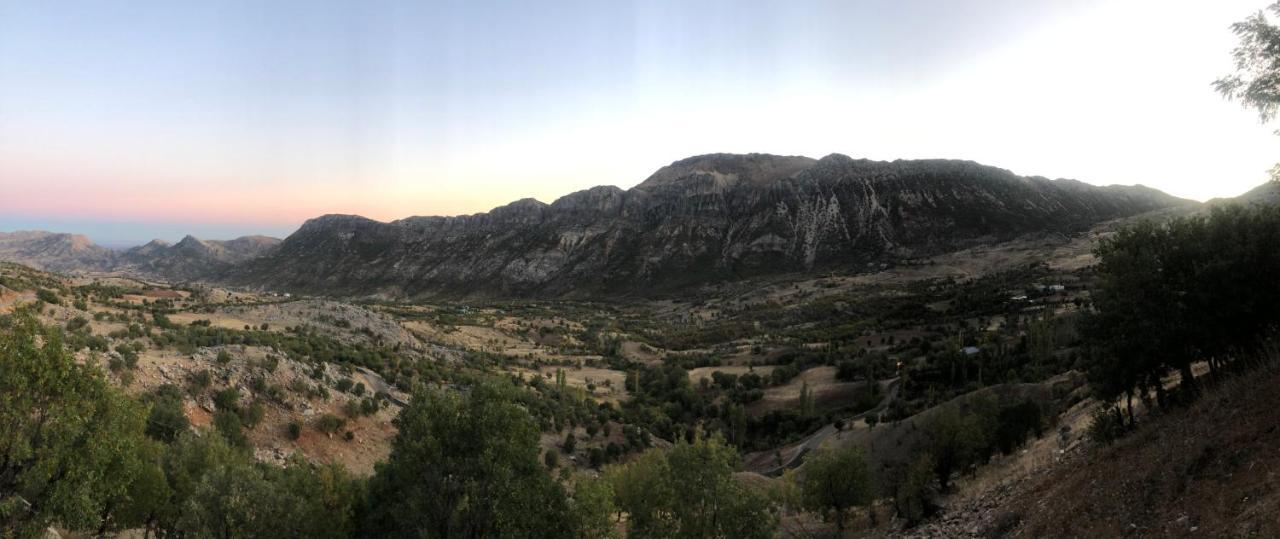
(835, 480)
(665, 402)
(1199, 288)
(77, 453)
(690, 491)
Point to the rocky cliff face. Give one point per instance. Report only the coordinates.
(701, 219)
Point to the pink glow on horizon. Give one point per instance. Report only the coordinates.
(59, 195)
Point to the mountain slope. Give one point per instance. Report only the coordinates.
(700, 219)
(1206, 471)
(190, 258)
(54, 251)
(193, 258)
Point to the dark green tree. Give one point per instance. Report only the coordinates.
(71, 447)
(465, 466)
(689, 491)
(836, 480)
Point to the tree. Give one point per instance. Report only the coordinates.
(465, 467)
(690, 491)
(806, 401)
(1256, 82)
(912, 496)
(240, 498)
(71, 447)
(835, 480)
(593, 508)
(570, 442)
(167, 420)
(954, 441)
(185, 465)
(1194, 288)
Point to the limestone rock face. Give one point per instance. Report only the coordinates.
(706, 218)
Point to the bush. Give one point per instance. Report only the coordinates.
(77, 323)
(167, 420)
(48, 296)
(1107, 426)
(252, 415)
(294, 430)
(329, 423)
(1017, 422)
(369, 406)
(200, 381)
(848, 371)
(551, 458)
(227, 399)
(228, 425)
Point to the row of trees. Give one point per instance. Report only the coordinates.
(1199, 288)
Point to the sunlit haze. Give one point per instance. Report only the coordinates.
(132, 120)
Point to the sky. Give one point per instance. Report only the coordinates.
(128, 121)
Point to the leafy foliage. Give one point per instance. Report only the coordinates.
(836, 480)
(465, 466)
(690, 491)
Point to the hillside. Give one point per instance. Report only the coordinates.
(700, 220)
(54, 252)
(191, 258)
(1206, 471)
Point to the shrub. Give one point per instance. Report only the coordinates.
(329, 423)
(48, 296)
(200, 381)
(252, 415)
(77, 323)
(1107, 426)
(227, 399)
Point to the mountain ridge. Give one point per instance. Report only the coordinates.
(699, 219)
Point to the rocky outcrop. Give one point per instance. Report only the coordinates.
(698, 220)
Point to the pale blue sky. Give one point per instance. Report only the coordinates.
(132, 120)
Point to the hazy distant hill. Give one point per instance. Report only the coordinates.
(54, 251)
(700, 219)
(190, 258)
(193, 258)
(1267, 193)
